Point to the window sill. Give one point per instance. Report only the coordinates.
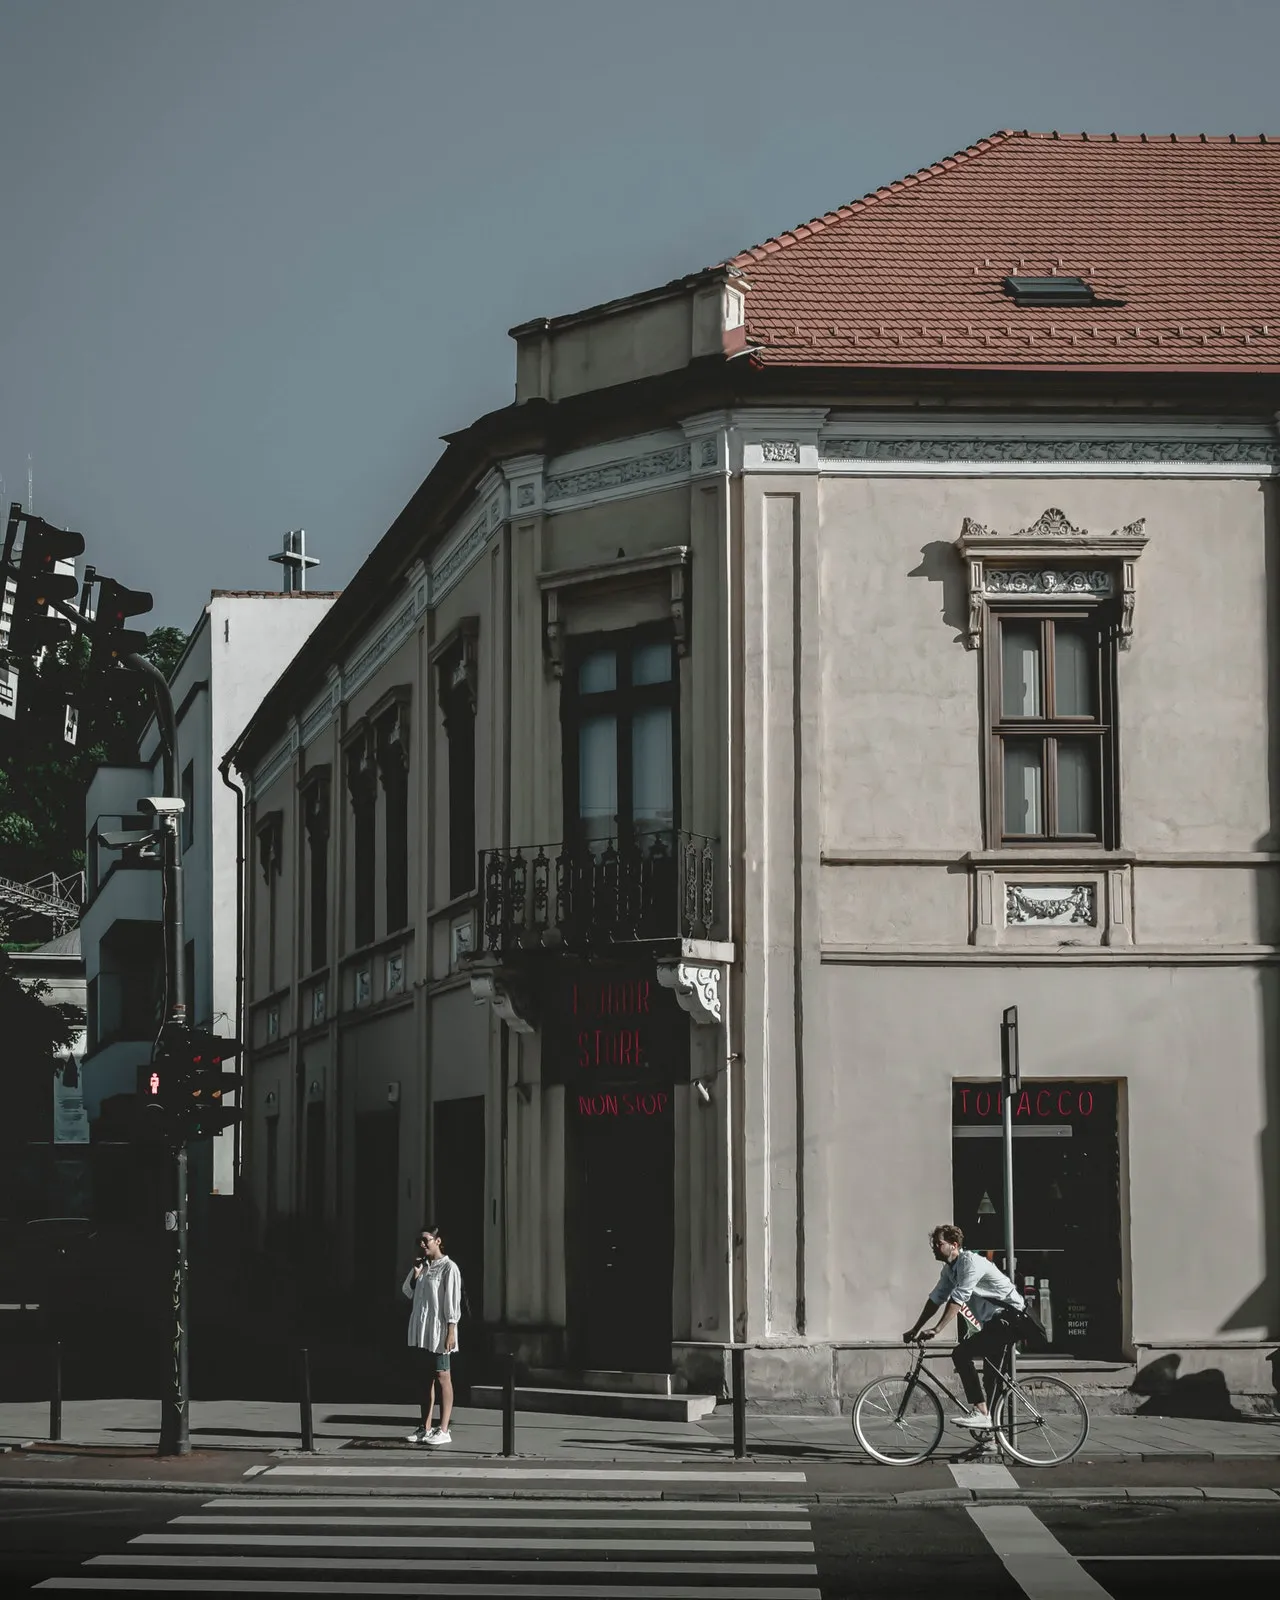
(1052, 855)
(450, 908)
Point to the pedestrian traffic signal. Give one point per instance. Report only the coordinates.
(111, 639)
(46, 572)
(211, 1077)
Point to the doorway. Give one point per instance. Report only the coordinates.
(621, 1227)
(458, 1189)
(1066, 1191)
(377, 1192)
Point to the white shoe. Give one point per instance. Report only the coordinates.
(439, 1436)
(418, 1436)
(975, 1420)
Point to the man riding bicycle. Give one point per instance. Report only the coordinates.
(972, 1288)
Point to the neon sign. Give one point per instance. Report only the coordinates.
(624, 1103)
(1052, 1102)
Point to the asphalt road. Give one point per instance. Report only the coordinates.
(750, 1550)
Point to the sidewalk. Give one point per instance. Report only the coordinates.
(131, 1428)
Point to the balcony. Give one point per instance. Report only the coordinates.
(658, 892)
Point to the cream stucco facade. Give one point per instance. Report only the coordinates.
(821, 565)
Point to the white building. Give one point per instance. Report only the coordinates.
(237, 650)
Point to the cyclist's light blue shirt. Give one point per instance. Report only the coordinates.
(973, 1281)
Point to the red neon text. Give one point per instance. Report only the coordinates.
(1030, 1103)
(623, 1104)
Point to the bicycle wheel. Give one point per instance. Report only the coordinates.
(1041, 1422)
(896, 1427)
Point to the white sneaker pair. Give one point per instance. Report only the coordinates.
(430, 1436)
(975, 1420)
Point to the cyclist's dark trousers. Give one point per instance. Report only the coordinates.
(970, 1354)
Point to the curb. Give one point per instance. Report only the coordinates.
(907, 1498)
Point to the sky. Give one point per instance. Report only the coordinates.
(256, 256)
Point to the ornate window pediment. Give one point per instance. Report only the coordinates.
(1050, 559)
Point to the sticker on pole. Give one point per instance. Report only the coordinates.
(171, 1222)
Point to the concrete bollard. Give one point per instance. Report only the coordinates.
(55, 1394)
(304, 1403)
(509, 1406)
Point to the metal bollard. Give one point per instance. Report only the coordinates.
(509, 1406)
(55, 1397)
(308, 1436)
(738, 1358)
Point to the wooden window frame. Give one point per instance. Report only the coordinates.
(622, 702)
(1048, 727)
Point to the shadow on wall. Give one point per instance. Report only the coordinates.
(940, 563)
(1200, 1394)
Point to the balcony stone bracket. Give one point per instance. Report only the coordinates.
(504, 992)
(697, 988)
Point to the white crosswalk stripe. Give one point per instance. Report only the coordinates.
(434, 1545)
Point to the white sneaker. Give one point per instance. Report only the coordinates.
(975, 1420)
(439, 1436)
(418, 1436)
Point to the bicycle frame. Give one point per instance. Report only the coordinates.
(920, 1374)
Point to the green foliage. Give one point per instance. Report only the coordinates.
(43, 780)
(33, 1030)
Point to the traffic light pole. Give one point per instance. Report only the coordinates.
(175, 1438)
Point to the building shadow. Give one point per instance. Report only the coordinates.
(1203, 1395)
(940, 563)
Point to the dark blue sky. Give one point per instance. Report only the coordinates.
(257, 255)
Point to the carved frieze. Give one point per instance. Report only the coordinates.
(1051, 904)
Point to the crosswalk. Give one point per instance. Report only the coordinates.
(585, 1535)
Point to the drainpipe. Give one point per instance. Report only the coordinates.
(238, 791)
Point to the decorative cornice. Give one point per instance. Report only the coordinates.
(1051, 536)
(979, 450)
(670, 462)
(449, 566)
(368, 662)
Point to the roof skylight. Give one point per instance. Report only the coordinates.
(1051, 291)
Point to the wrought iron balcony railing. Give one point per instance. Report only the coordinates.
(578, 897)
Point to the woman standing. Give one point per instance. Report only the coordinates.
(434, 1284)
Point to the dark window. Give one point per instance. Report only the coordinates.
(362, 782)
(188, 805)
(316, 817)
(458, 704)
(91, 1023)
(620, 738)
(1052, 728)
(393, 765)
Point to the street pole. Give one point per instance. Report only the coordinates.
(175, 1437)
(1010, 1083)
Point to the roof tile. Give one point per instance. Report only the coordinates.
(1185, 231)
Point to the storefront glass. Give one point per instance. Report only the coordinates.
(1067, 1214)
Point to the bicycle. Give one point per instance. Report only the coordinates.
(1038, 1420)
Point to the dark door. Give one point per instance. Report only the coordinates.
(457, 1155)
(377, 1186)
(621, 1227)
(1066, 1201)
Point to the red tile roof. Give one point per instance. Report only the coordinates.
(1184, 229)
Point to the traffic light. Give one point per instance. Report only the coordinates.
(46, 572)
(182, 1090)
(111, 639)
(211, 1076)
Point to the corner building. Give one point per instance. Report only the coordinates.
(823, 652)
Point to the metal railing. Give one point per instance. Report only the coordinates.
(581, 897)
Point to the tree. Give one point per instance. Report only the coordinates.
(32, 1029)
(43, 784)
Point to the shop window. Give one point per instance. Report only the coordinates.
(619, 711)
(1051, 727)
(1066, 1196)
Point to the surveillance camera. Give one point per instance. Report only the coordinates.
(161, 805)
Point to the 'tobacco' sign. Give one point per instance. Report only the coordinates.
(1043, 1102)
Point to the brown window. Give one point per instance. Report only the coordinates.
(1051, 719)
